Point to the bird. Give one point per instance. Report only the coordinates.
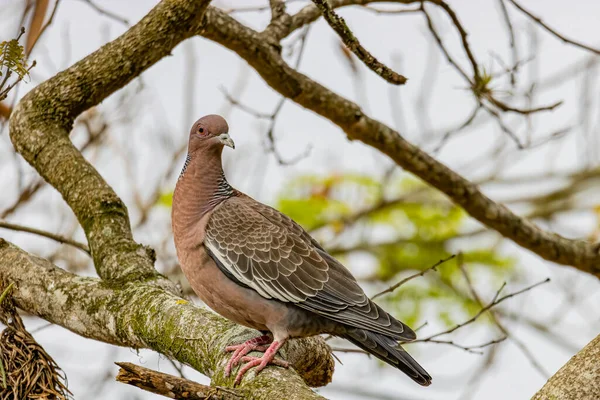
(257, 267)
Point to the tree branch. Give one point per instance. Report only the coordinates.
(49, 235)
(552, 31)
(250, 45)
(41, 122)
(172, 386)
(339, 25)
(143, 315)
(578, 379)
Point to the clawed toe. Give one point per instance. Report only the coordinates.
(260, 362)
(240, 350)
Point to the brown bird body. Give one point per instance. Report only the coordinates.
(257, 267)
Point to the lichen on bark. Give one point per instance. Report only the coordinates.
(141, 314)
(579, 379)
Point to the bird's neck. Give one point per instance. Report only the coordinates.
(200, 188)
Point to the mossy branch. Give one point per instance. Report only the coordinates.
(143, 315)
(41, 122)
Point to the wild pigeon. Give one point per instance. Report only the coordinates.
(257, 267)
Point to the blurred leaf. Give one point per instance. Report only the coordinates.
(12, 58)
(36, 24)
(165, 199)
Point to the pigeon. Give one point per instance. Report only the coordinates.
(255, 266)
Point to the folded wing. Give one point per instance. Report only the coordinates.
(263, 249)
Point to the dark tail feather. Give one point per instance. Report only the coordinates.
(388, 350)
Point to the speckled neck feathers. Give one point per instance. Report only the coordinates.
(200, 188)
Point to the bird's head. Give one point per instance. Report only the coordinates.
(209, 132)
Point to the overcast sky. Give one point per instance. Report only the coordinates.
(399, 40)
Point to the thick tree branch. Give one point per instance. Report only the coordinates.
(251, 46)
(41, 122)
(143, 315)
(578, 379)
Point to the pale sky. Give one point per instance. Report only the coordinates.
(399, 40)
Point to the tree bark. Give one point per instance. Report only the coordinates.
(257, 49)
(171, 386)
(132, 305)
(143, 315)
(579, 379)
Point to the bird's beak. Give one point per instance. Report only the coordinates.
(226, 140)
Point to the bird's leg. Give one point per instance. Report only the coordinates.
(261, 362)
(240, 350)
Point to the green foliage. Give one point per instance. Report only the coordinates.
(419, 225)
(12, 58)
(166, 199)
(481, 87)
(313, 200)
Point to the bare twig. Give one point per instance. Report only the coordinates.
(390, 11)
(494, 302)
(411, 277)
(49, 235)
(339, 25)
(461, 127)
(4, 92)
(107, 13)
(513, 44)
(525, 111)
(475, 349)
(463, 37)
(244, 107)
(552, 31)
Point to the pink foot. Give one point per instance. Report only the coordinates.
(261, 362)
(240, 350)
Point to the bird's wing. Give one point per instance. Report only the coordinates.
(263, 249)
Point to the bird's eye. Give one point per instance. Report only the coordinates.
(201, 130)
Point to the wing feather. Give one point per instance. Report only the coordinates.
(263, 249)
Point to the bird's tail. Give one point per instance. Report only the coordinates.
(387, 349)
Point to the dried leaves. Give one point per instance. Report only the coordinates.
(26, 370)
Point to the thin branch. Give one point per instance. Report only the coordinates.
(461, 127)
(339, 25)
(357, 125)
(390, 11)
(411, 277)
(49, 235)
(463, 37)
(494, 302)
(552, 31)
(243, 107)
(440, 43)
(172, 386)
(512, 42)
(4, 92)
(107, 13)
(525, 111)
(474, 349)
